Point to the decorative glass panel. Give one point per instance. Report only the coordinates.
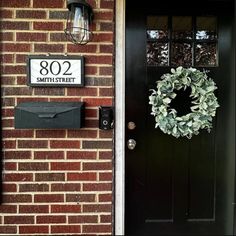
(157, 27)
(206, 28)
(206, 54)
(157, 34)
(157, 54)
(182, 27)
(181, 54)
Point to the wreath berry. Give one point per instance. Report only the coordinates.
(204, 102)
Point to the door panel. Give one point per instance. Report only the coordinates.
(178, 186)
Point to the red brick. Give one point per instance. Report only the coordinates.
(97, 208)
(7, 58)
(82, 133)
(18, 177)
(33, 166)
(81, 155)
(50, 177)
(97, 166)
(17, 91)
(97, 187)
(31, 37)
(9, 123)
(6, 36)
(98, 102)
(65, 99)
(91, 113)
(15, 3)
(19, 219)
(64, 144)
(33, 188)
(7, 188)
(33, 229)
(17, 133)
(48, 48)
(48, 198)
(104, 15)
(82, 92)
(105, 218)
(79, 198)
(65, 166)
(32, 144)
(105, 155)
(8, 198)
(82, 176)
(8, 229)
(50, 26)
(9, 144)
(91, 70)
(8, 101)
(107, 197)
(103, 37)
(52, 219)
(66, 208)
(83, 219)
(50, 133)
(31, 99)
(14, 25)
(99, 59)
(9, 166)
(48, 4)
(21, 58)
(8, 209)
(105, 176)
(8, 113)
(106, 26)
(16, 47)
(13, 70)
(47, 155)
(106, 133)
(21, 80)
(17, 154)
(91, 123)
(106, 71)
(68, 187)
(107, 4)
(97, 144)
(31, 14)
(106, 92)
(49, 91)
(6, 13)
(29, 209)
(66, 229)
(82, 48)
(58, 37)
(97, 228)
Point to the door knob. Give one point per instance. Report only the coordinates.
(131, 144)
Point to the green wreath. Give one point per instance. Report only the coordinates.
(204, 102)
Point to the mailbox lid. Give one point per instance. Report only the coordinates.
(49, 115)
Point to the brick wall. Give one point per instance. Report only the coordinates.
(55, 181)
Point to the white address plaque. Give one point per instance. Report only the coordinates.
(55, 70)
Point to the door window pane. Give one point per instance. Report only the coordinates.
(206, 28)
(206, 54)
(157, 54)
(181, 54)
(182, 27)
(157, 27)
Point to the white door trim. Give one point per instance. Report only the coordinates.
(120, 118)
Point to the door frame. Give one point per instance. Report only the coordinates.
(119, 188)
(120, 119)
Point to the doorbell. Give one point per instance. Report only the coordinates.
(106, 118)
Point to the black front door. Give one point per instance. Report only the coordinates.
(179, 186)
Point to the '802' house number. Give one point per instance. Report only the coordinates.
(55, 70)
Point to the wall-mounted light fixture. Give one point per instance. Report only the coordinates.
(78, 21)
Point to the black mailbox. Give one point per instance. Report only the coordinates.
(49, 115)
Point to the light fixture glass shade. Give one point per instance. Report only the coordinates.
(78, 22)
